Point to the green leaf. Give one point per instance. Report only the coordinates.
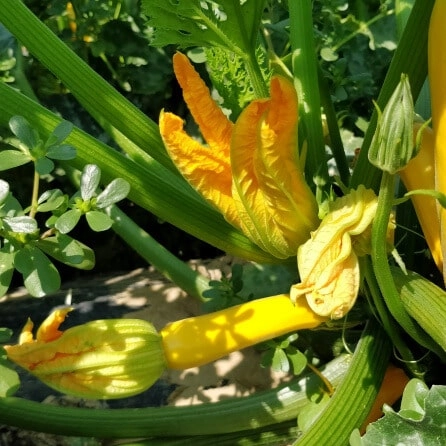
(9, 379)
(117, 190)
(23, 130)
(61, 152)
(51, 200)
(4, 191)
(40, 275)
(68, 220)
(297, 359)
(59, 134)
(67, 250)
(44, 166)
(5, 335)
(421, 422)
(230, 24)
(24, 224)
(91, 175)
(12, 158)
(280, 361)
(98, 221)
(6, 270)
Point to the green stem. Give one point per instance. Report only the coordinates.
(94, 93)
(256, 77)
(411, 58)
(229, 415)
(383, 272)
(306, 80)
(352, 400)
(336, 143)
(35, 194)
(164, 261)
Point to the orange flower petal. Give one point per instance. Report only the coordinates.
(215, 127)
(291, 202)
(251, 202)
(208, 171)
(48, 330)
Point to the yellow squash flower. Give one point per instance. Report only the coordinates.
(248, 170)
(328, 261)
(112, 358)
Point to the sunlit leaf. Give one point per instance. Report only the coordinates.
(24, 224)
(98, 221)
(6, 270)
(9, 379)
(68, 250)
(40, 275)
(421, 421)
(114, 192)
(67, 221)
(12, 158)
(91, 175)
(59, 134)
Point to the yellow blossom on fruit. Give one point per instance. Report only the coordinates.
(249, 170)
(111, 358)
(328, 261)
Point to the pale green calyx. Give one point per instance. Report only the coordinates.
(392, 145)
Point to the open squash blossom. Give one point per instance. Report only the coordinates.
(248, 170)
(112, 358)
(328, 261)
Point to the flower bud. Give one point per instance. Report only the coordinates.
(392, 145)
(111, 358)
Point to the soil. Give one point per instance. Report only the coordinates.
(142, 293)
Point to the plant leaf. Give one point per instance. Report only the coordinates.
(68, 220)
(12, 158)
(44, 166)
(23, 130)
(61, 152)
(116, 191)
(98, 221)
(59, 134)
(23, 224)
(421, 422)
(91, 175)
(67, 250)
(40, 275)
(9, 379)
(6, 270)
(4, 190)
(227, 24)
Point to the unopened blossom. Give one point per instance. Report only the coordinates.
(111, 358)
(249, 169)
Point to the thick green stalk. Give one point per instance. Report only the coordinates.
(97, 96)
(383, 272)
(153, 187)
(229, 415)
(336, 143)
(352, 400)
(306, 80)
(411, 58)
(164, 261)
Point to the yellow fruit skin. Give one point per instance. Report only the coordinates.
(437, 80)
(420, 174)
(202, 339)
